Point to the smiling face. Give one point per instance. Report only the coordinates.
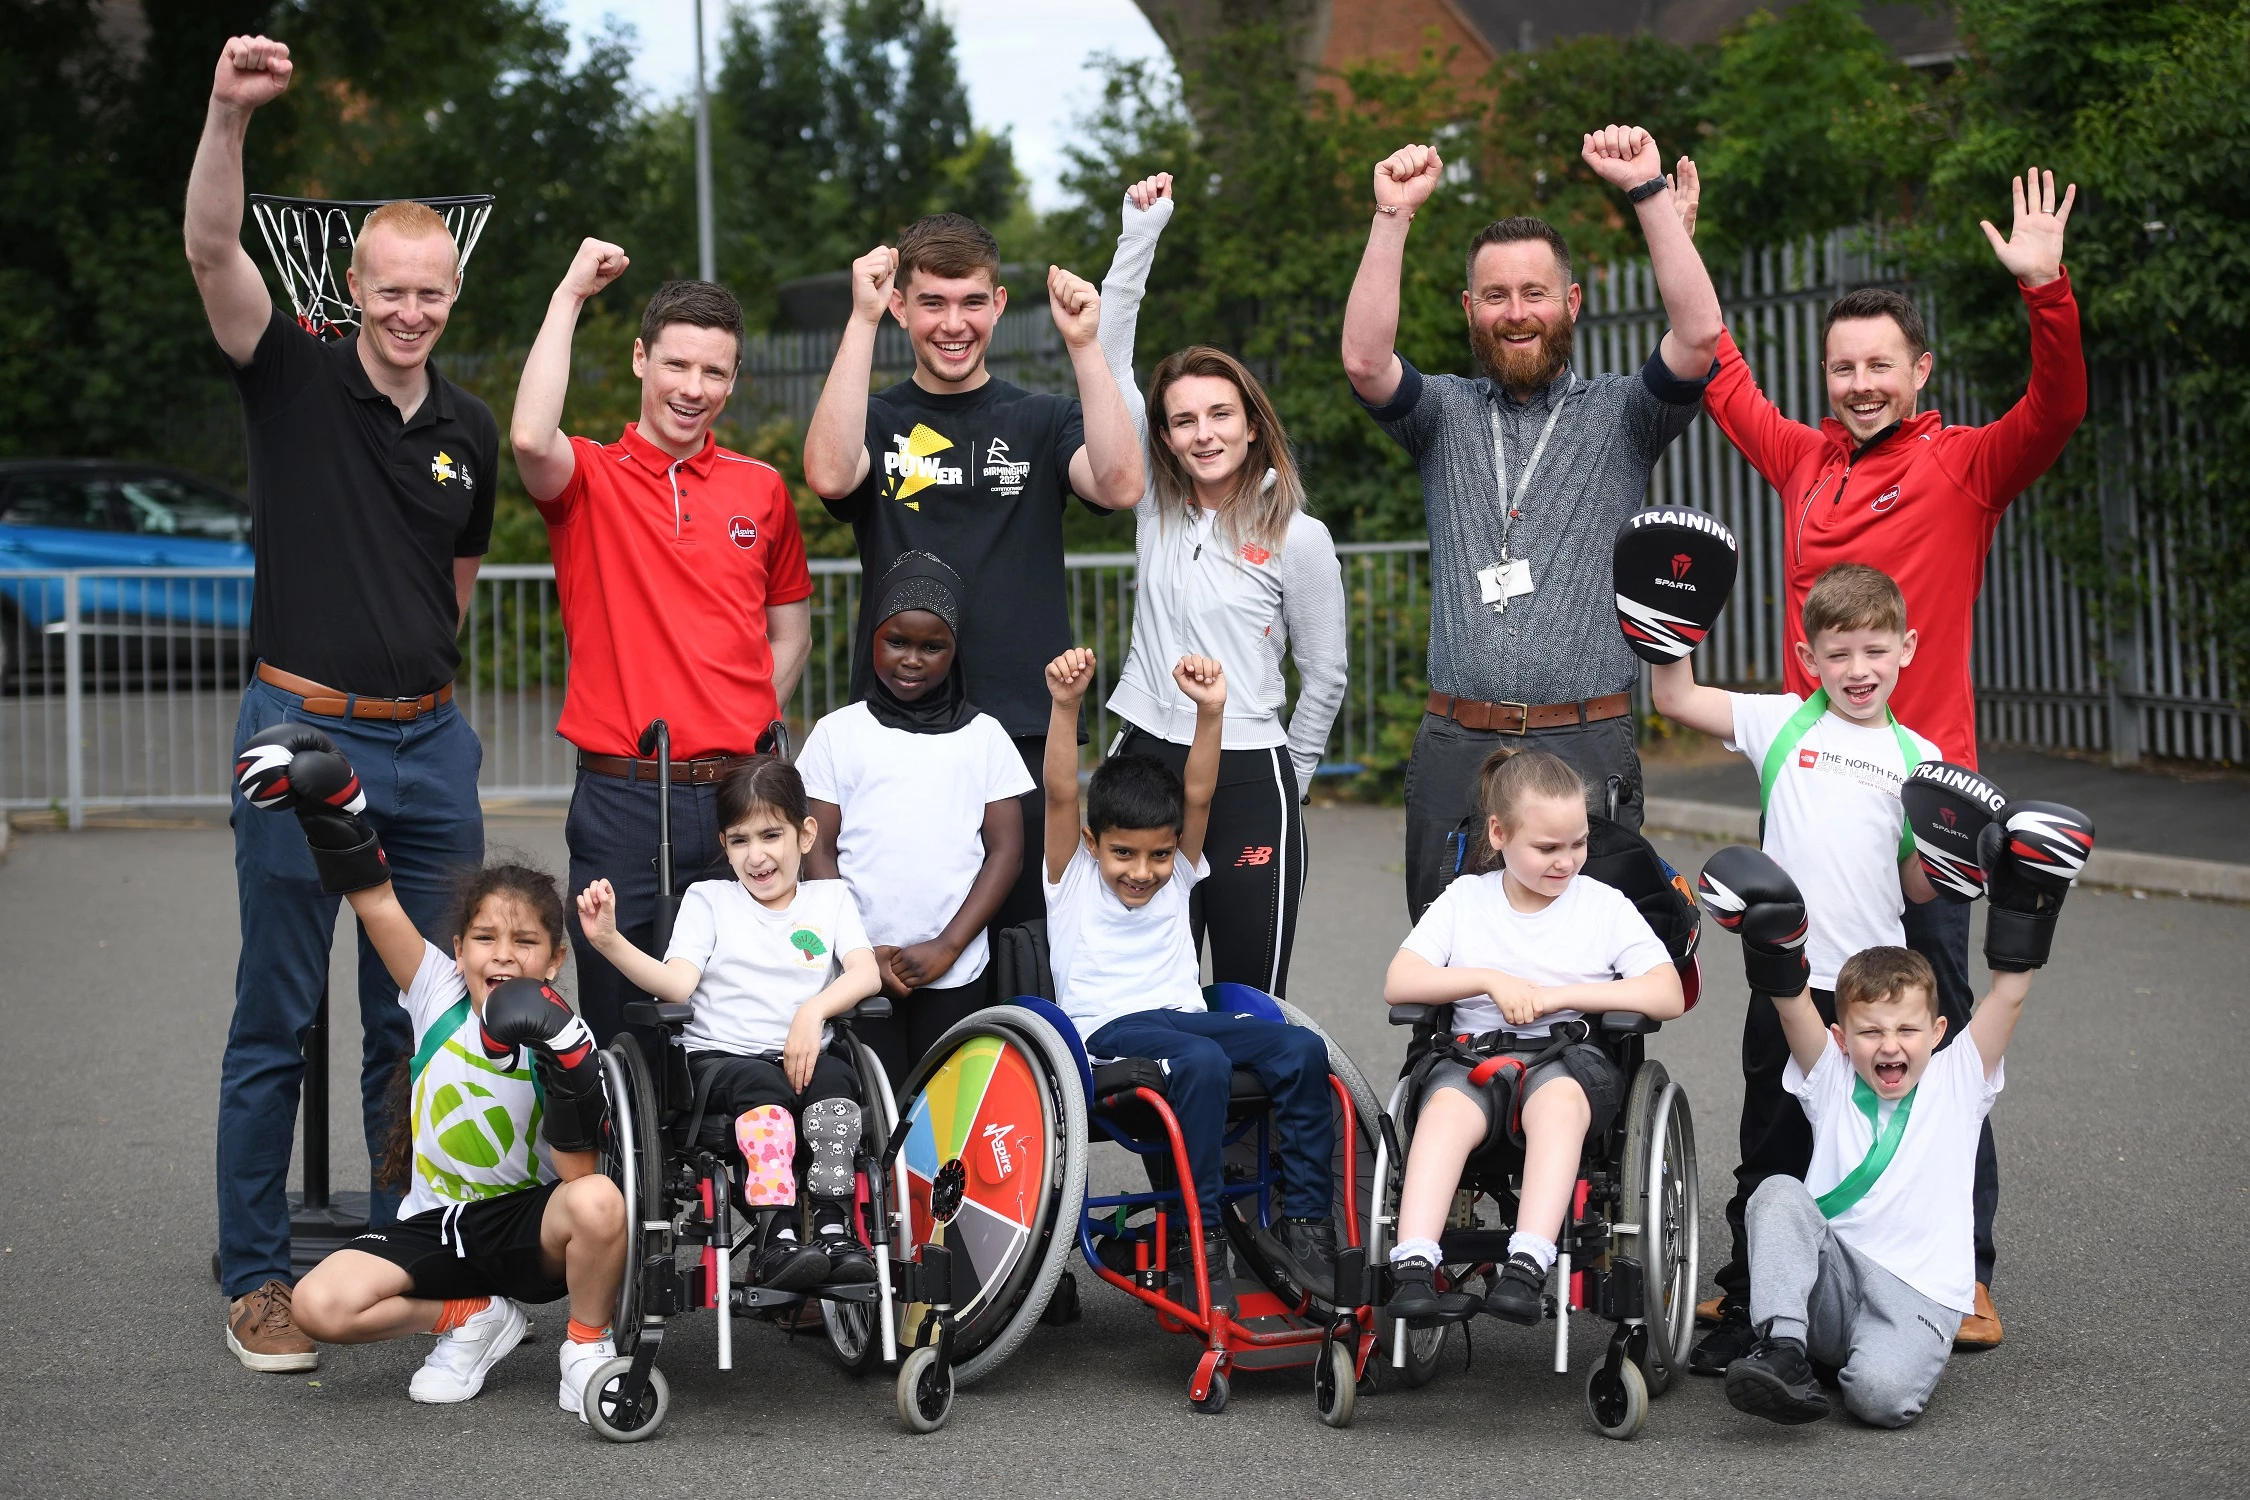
(948, 320)
(1874, 376)
(1208, 427)
(1889, 1041)
(685, 381)
(1521, 310)
(1544, 850)
(1135, 861)
(505, 940)
(765, 851)
(404, 286)
(913, 652)
(1858, 668)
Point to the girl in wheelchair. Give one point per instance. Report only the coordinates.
(767, 962)
(1521, 950)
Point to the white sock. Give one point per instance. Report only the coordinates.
(1407, 1250)
(1542, 1251)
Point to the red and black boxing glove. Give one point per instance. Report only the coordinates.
(1754, 898)
(529, 1013)
(2030, 858)
(262, 769)
(295, 766)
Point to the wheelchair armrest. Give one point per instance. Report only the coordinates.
(1629, 1023)
(1413, 1015)
(874, 1008)
(658, 1013)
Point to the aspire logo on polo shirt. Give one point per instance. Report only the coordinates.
(742, 531)
(912, 465)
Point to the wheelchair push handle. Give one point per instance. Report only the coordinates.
(657, 740)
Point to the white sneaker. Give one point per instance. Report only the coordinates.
(579, 1361)
(456, 1368)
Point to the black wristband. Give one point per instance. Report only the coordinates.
(1648, 189)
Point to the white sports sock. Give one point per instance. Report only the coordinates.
(1409, 1249)
(1542, 1251)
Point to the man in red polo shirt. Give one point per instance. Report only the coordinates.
(1884, 484)
(685, 595)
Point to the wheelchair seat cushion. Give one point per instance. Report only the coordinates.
(1246, 1094)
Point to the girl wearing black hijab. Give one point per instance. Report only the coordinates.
(915, 793)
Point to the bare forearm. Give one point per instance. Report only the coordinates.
(1802, 1025)
(397, 941)
(789, 633)
(1674, 692)
(836, 440)
(1003, 861)
(1113, 445)
(673, 980)
(1691, 302)
(1656, 994)
(542, 452)
(1059, 777)
(214, 196)
(860, 979)
(1414, 980)
(1371, 314)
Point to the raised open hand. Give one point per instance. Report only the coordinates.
(1687, 191)
(2033, 249)
(253, 70)
(596, 265)
(872, 274)
(1406, 178)
(597, 912)
(1624, 156)
(1076, 305)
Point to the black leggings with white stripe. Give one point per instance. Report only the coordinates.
(1256, 847)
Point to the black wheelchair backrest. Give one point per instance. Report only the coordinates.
(1019, 962)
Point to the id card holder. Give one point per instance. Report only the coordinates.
(1504, 581)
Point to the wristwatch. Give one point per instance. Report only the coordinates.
(1648, 189)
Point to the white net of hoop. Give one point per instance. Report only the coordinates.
(311, 243)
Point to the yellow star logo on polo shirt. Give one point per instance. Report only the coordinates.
(441, 467)
(912, 465)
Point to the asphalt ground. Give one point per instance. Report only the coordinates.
(2125, 1223)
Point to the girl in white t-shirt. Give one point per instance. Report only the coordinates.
(1520, 948)
(916, 795)
(767, 962)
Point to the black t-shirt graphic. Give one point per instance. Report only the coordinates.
(979, 479)
(356, 516)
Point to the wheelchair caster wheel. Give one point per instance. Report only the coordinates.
(1336, 1385)
(1618, 1402)
(1214, 1396)
(1063, 1306)
(617, 1419)
(925, 1391)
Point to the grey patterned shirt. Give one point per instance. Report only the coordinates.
(1559, 643)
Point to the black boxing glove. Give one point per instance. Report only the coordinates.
(528, 1013)
(2030, 857)
(262, 769)
(1948, 808)
(328, 803)
(1754, 898)
(1673, 569)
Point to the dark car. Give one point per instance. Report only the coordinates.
(128, 526)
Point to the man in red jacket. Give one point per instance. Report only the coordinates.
(1884, 484)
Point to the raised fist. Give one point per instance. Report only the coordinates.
(1406, 178)
(595, 266)
(1076, 305)
(1202, 679)
(872, 275)
(1624, 156)
(253, 70)
(1070, 674)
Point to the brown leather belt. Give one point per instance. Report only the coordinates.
(701, 772)
(330, 703)
(1522, 718)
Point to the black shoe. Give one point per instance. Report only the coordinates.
(1519, 1293)
(1723, 1345)
(1775, 1381)
(1308, 1255)
(1215, 1260)
(785, 1265)
(849, 1264)
(1415, 1297)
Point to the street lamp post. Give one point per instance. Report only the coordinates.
(707, 260)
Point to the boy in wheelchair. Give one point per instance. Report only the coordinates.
(1126, 974)
(767, 962)
(1521, 951)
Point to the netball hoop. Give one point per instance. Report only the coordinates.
(303, 235)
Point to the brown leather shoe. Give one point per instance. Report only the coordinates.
(1707, 1312)
(262, 1334)
(1980, 1329)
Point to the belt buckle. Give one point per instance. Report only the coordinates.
(1523, 719)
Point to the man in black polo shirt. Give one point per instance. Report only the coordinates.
(371, 498)
(973, 469)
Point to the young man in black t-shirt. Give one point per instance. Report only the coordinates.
(973, 469)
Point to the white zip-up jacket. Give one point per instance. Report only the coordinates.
(1241, 604)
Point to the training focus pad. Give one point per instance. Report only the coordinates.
(1754, 898)
(2030, 858)
(262, 769)
(1948, 808)
(1674, 568)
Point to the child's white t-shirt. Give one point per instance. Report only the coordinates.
(1834, 822)
(476, 1122)
(1111, 959)
(759, 965)
(1917, 1221)
(910, 842)
(1589, 934)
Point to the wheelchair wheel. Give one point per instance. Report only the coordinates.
(997, 1108)
(631, 1157)
(1336, 1384)
(925, 1393)
(619, 1420)
(1424, 1346)
(1662, 1196)
(854, 1329)
(1617, 1403)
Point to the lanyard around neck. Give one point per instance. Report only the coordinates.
(1844, 1195)
(1512, 505)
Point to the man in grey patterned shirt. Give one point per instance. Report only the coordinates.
(1526, 475)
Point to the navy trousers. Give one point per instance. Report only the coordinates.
(421, 784)
(1201, 1049)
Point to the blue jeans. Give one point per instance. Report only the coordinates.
(421, 784)
(1201, 1050)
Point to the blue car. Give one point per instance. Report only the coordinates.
(98, 514)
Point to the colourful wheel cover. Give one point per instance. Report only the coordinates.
(983, 1108)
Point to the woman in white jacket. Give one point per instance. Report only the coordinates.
(1230, 567)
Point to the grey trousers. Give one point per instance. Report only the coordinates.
(1888, 1341)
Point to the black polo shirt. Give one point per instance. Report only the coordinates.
(356, 516)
